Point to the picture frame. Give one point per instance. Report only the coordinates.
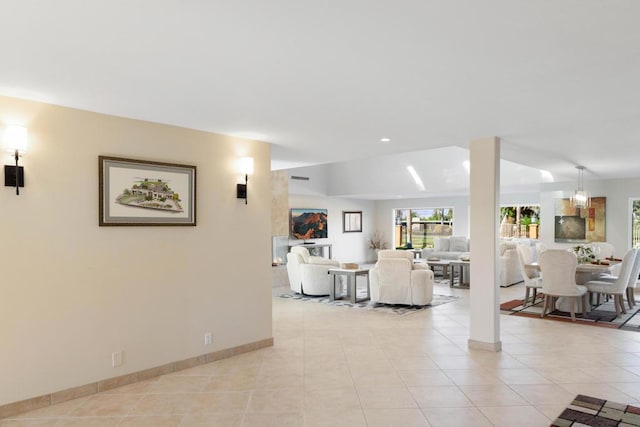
(141, 192)
(352, 221)
(580, 225)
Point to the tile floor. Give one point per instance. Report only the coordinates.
(340, 366)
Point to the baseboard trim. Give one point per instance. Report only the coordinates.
(486, 346)
(15, 408)
(511, 284)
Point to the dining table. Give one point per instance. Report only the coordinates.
(585, 271)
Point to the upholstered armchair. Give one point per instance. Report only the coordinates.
(396, 279)
(309, 274)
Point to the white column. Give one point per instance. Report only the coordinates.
(485, 203)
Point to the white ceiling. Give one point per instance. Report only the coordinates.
(558, 81)
(440, 172)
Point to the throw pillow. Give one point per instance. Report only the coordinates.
(441, 244)
(458, 244)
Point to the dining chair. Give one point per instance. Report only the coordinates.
(558, 271)
(618, 287)
(532, 281)
(540, 247)
(633, 281)
(603, 249)
(631, 290)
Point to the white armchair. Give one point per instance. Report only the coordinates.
(309, 274)
(395, 279)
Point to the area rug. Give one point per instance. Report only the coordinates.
(603, 315)
(591, 411)
(446, 282)
(370, 305)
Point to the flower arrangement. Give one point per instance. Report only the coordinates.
(584, 253)
(376, 241)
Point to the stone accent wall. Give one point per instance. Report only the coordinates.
(280, 203)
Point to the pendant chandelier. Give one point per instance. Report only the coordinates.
(580, 198)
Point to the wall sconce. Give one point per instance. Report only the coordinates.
(246, 168)
(15, 141)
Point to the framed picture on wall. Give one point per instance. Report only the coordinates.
(580, 225)
(139, 192)
(352, 221)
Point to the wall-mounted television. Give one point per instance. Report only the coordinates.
(308, 223)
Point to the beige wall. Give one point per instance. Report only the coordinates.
(72, 293)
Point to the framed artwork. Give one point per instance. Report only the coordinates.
(139, 192)
(308, 223)
(575, 225)
(352, 222)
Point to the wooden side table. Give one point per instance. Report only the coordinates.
(351, 275)
(463, 270)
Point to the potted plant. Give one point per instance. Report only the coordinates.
(584, 253)
(377, 241)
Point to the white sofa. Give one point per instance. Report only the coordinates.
(532, 243)
(509, 272)
(396, 279)
(309, 274)
(447, 248)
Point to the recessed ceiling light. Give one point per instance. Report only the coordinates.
(385, 140)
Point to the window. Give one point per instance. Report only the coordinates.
(423, 226)
(520, 221)
(635, 223)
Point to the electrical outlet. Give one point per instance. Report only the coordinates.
(208, 338)
(116, 358)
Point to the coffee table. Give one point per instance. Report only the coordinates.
(441, 263)
(352, 276)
